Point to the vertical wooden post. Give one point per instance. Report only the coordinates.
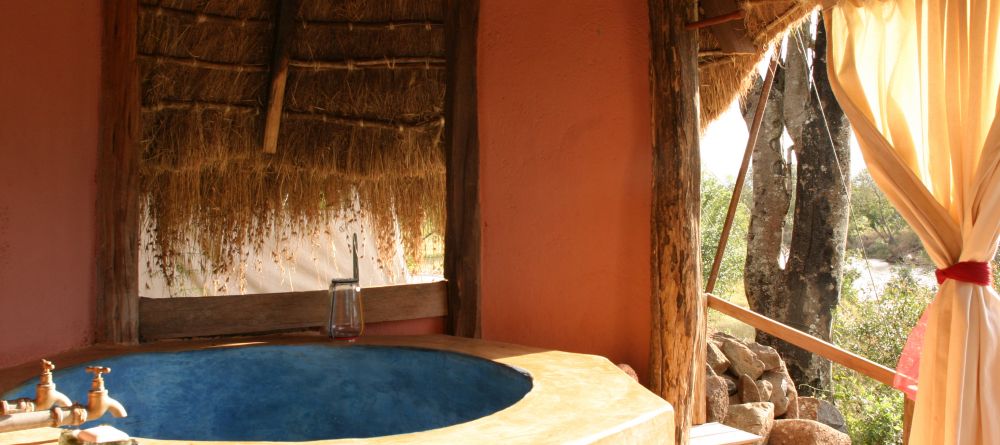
(677, 343)
(908, 407)
(461, 139)
(118, 177)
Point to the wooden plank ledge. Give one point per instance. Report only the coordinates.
(164, 318)
(718, 434)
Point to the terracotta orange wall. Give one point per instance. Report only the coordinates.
(564, 119)
(49, 86)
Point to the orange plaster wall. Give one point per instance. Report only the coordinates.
(49, 87)
(564, 120)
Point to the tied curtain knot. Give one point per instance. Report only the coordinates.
(967, 271)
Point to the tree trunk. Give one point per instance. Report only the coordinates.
(805, 290)
(763, 276)
(820, 224)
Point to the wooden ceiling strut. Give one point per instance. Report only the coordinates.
(731, 34)
(717, 20)
(279, 73)
(758, 117)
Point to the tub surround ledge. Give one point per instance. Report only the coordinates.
(575, 398)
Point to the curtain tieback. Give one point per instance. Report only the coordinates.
(967, 271)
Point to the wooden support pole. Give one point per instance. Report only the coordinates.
(279, 73)
(461, 139)
(117, 255)
(677, 340)
(758, 117)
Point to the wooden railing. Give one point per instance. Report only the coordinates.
(803, 340)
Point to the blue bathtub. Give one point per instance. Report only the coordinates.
(295, 392)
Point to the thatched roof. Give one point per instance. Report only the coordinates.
(725, 75)
(361, 123)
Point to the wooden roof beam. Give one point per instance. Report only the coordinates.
(727, 24)
(279, 73)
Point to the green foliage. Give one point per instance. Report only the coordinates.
(876, 226)
(875, 328)
(715, 196)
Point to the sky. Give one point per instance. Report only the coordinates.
(725, 140)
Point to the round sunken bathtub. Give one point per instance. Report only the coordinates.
(295, 392)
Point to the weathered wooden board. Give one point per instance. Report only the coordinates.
(162, 318)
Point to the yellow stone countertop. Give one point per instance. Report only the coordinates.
(575, 398)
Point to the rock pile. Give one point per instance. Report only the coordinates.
(748, 387)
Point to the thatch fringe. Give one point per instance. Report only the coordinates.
(727, 77)
(360, 134)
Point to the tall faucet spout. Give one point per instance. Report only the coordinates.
(98, 400)
(46, 395)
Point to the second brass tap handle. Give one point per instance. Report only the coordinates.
(98, 370)
(98, 383)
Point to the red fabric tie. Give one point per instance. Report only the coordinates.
(967, 271)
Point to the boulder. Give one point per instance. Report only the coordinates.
(716, 359)
(731, 383)
(805, 432)
(748, 390)
(716, 398)
(755, 418)
(628, 370)
(742, 360)
(764, 388)
(767, 355)
(780, 387)
(823, 412)
(792, 393)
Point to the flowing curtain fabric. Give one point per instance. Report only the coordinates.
(919, 81)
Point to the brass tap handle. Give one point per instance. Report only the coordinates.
(47, 366)
(98, 370)
(98, 383)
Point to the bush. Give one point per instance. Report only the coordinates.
(875, 328)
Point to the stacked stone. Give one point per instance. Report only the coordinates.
(748, 387)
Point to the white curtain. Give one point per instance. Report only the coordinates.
(919, 81)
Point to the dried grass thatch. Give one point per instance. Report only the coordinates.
(723, 77)
(362, 123)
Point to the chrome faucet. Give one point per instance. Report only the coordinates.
(98, 400)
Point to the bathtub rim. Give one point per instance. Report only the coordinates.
(575, 398)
